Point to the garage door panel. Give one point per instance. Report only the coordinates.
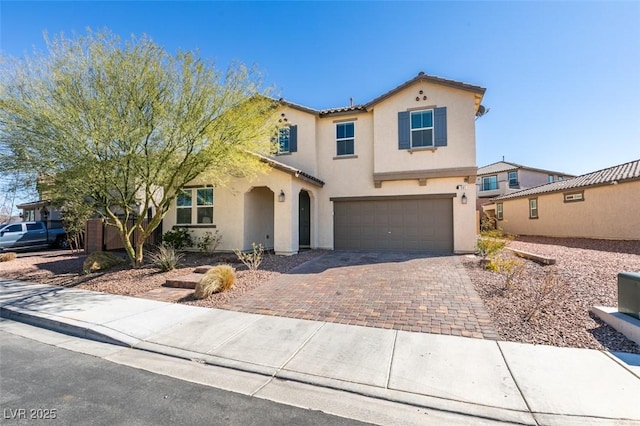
(394, 224)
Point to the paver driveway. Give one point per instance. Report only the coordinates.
(402, 291)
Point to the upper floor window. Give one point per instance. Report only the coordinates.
(550, 178)
(287, 139)
(421, 128)
(345, 138)
(489, 183)
(513, 179)
(284, 135)
(201, 204)
(560, 178)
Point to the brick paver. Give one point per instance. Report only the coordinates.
(398, 291)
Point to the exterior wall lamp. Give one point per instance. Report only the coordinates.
(281, 196)
(463, 199)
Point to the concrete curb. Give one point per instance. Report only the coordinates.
(68, 326)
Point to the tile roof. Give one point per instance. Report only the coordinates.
(291, 170)
(621, 173)
(500, 166)
(503, 166)
(479, 91)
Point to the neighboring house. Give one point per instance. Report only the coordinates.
(503, 177)
(603, 204)
(41, 210)
(391, 174)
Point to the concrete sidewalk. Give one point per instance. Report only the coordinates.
(488, 380)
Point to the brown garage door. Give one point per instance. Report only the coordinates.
(394, 223)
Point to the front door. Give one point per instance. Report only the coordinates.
(304, 219)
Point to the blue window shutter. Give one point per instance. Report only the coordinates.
(293, 138)
(440, 124)
(404, 130)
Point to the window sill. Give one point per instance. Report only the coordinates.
(422, 148)
(195, 225)
(343, 157)
(282, 153)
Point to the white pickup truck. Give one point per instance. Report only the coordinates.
(19, 235)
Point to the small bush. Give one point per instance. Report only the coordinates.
(166, 258)
(251, 259)
(6, 257)
(490, 243)
(101, 261)
(209, 242)
(177, 238)
(510, 268)
(546, 294)
(217, 279)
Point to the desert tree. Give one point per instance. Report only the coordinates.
(126, 124)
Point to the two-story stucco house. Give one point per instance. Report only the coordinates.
(504, 177)
(391, 174)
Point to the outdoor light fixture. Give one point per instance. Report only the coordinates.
(463, 199)
(281, 196)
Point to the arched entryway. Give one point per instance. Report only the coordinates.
(304, 219)
(259, 217)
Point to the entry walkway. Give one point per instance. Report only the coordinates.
(483, 379)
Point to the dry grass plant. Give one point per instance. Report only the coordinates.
(100, 261)
(217, 279)
(8, 256)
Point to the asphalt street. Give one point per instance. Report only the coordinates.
(41, 383)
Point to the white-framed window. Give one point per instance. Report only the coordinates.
(345, 138)
(550, 178)
(284, 139)
(575, 196)
(499, 211)
(489, 183)
(29, 215)
(194, 206)
(421, 128)
(513, 179)
(533, 208)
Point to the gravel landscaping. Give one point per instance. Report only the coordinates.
(584, 276)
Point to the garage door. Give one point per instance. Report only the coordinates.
(394, 223)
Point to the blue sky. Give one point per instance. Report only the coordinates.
(562, 78)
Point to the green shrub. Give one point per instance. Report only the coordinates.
(217, 279)
(6, 257)
(101, 261)
(509, 267)
(251, 259)
(177, 238)
(209, 242)
(166, 258)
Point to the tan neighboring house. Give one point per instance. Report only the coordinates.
(391, 174)
(504, 177)
(604, 204)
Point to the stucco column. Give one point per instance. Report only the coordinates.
(286, 220)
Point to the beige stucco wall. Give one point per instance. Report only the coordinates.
(461, 148)
(608, 212)
(305, 158)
